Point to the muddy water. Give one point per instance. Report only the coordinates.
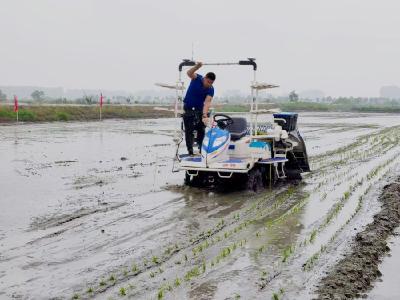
(388, 286)
(93, 210)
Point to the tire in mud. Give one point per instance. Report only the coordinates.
(196, 181)
(187, 179)
(269, 177)
(254, 181)
(293, 174)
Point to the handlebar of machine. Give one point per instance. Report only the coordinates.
(248, 62)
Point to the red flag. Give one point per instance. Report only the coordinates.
(15, 103)
(101, 100)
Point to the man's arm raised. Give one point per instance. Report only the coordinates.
(192, 71)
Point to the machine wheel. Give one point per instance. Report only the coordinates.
(293, 174)
(254, 181)
(187, 179)
(270, 177)
(197, 181)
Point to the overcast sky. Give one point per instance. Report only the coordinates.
(343, 47)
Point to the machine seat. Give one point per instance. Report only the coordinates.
(238, 128)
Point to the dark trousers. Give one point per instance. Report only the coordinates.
(192, 120)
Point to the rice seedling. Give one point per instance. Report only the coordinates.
(160, 294)
(313, 236)
(177, 282)
(192, 273)
(122, 291)
(75, 296)
(310, 262)
(89, 290)
(263, 275)
(152, 274)
(134, 268)
(102, 283)
(296, 208)
(275, 296)
(199, 248)
(234, 246)
(112, 277)
(154, 259)
(225, 252)
(287, 252)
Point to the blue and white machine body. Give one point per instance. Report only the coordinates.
(215, 145)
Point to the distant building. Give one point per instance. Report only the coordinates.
(390, 91)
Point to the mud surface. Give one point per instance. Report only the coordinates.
(356, 272)
(387, 287)
(94, 211)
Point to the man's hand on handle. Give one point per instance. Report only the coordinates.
(205, 120)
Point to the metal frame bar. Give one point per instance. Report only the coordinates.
(248, 62)
(193, 174)
(225, 176)
(215, 170)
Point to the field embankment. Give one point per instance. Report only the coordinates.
(339, 107)
(50, 113)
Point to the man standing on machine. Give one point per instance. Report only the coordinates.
(196, 105)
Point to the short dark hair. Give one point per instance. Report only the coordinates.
(211, 76)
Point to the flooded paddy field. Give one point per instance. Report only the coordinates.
(92, 210)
